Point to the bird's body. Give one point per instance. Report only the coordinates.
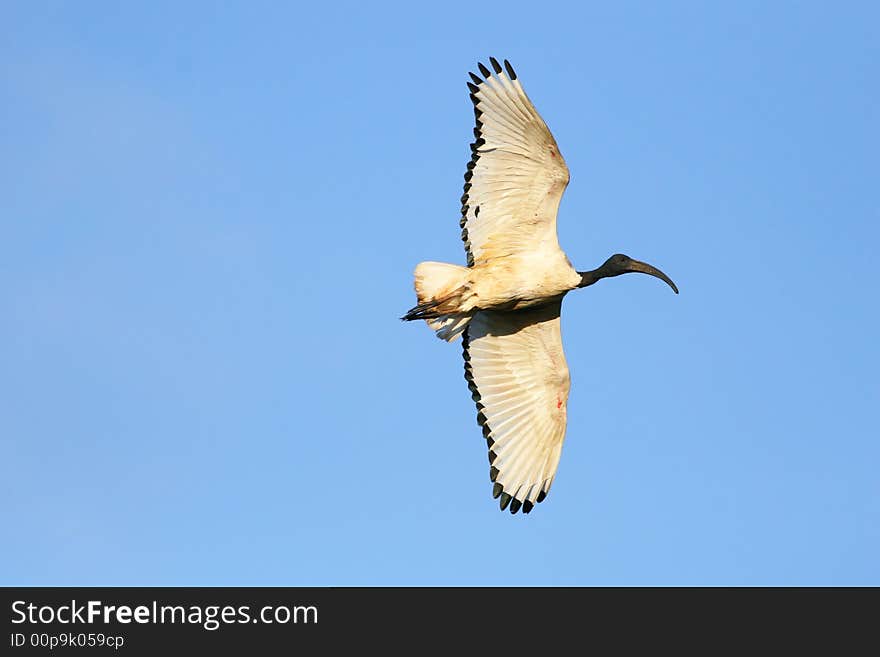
(510, 282)
(506, 301)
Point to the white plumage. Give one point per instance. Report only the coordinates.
(518, 376)
(506, 301)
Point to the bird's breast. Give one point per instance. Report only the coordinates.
(522, 281)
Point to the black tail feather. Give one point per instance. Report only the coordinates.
(422, 311)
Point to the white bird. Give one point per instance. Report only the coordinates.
(506, 301)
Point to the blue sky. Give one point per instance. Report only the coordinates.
(210, 216)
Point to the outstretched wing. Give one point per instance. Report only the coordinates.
(517, 374)
(517, 175)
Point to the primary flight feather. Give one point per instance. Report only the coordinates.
(506, 301)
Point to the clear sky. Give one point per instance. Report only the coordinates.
(210, 217)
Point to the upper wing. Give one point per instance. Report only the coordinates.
(516, 370)
(517, 175)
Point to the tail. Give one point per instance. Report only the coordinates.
(441, 288)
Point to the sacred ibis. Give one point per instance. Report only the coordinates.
(506, 301)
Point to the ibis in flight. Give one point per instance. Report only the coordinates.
(505, 303)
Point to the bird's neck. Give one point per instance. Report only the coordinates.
(590, 277)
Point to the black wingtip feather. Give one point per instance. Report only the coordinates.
(485, 71)
(476, 78)
(512, 75)
(495, 64)
(527, 506)
(515, 505)
(505, 500)
(474, 88)
(541, 496)
(496, 491)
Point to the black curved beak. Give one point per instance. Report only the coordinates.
(645, 268)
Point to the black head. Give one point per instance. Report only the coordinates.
(617, 264)
(622, 264)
